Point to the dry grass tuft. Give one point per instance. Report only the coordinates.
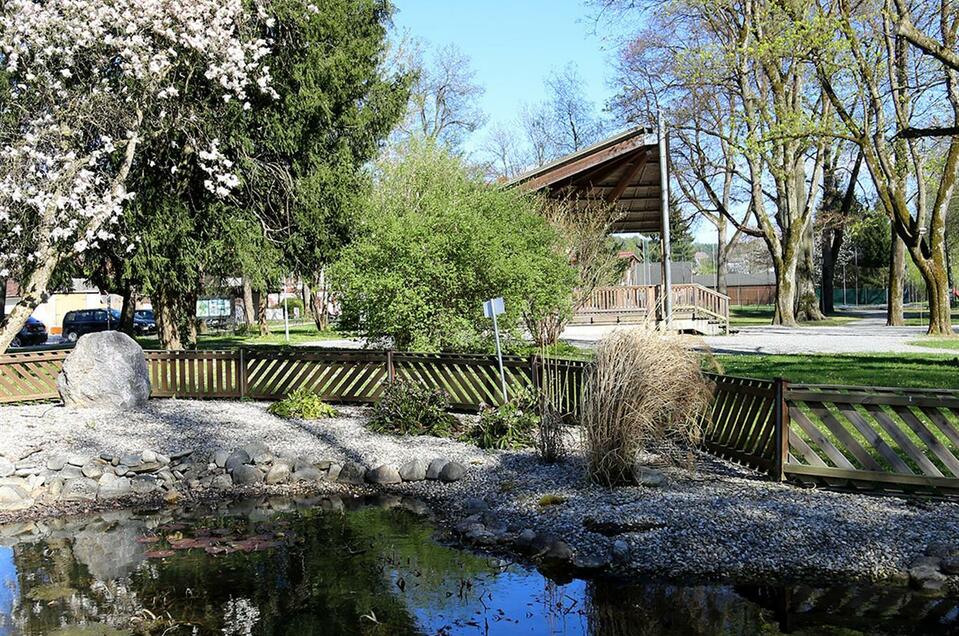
(646, 392)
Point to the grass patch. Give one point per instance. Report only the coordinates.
(759, 315)
(551, 500)
(916, 370)
(302, 404)
(561, 349)
(917, 315)
(299, 334)
(937, 343)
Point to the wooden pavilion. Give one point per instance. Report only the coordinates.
(627, 170)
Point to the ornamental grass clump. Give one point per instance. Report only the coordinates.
(645, 393)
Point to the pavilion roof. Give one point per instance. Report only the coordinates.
(623, 170)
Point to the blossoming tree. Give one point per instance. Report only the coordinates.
(83, 85)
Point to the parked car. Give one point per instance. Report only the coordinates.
(144, 322)
(33, 333)
(84, 321)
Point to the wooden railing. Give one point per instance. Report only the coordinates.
(645, 300)
(876, 438)
(345, 376)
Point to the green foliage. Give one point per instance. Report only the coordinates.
(551, 500)
(508, 426)
(435, 243)
(302, 404)
(409, 408)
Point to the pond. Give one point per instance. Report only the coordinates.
(373, 566)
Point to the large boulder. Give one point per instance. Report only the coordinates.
(105, 369)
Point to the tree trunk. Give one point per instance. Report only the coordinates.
(722, 258)
(249, 309)
(3, 299)
(128, 310)
(189, 317)
(31, 295)
(807, 303)
(168, 329)
(785, 269)
(261, 313)
(937, 287)
(827, 287)
(319, 303)
(305, 294)
(897, 269)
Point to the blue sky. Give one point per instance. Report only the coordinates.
(513, 46)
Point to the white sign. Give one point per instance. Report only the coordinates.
(493, 307)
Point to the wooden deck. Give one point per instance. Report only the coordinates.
(695, 308)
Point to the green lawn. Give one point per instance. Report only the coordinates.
(937, 343)
(753, 315)
(918, 316)
(932, 371)
(299, 334)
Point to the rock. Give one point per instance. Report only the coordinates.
(612, 527)
(320, 465)
(107, 457)
(78, 460)
(474, 505)
(550, 548)
(112, 487)
(942, 549)
(649, 477)
(163, 459)
(222, 482)
(949, 565)
(308, 474)
(333, 472)
(279, 473)
(620, 551)
(181, 454)
(435, 467)
(130, 460)
(236, 459)
(259, 453)
(105, 369)
(121, 470)
(478, 534)
(220, 457)
(453, 471)
(383, 474)
(245, 474)
(143, 484)
(14, 497)
(148, 456)
(165, 476)
(524, 541)
(7, 467)
(71, 472)
(79, 489)
(54, 463)
(55, 487)
(414, 470)
(146, 467)
(352, 473)
(590, 564)
(93, 470)
(928, 579)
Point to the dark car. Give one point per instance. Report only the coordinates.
(33, 333)
(78, 323)
(144, 322)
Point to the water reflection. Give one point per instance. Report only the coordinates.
(362, 566)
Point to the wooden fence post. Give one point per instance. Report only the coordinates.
(390, 369)
(241, 375)
(781, 413)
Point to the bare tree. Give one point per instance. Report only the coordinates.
(502, 152)
(444, 101)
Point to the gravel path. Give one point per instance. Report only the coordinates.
(720, 520)
(868, 335)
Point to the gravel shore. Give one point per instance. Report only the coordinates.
(717, 521)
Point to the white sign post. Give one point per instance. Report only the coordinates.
(491, 309)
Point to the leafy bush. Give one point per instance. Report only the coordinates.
(434, 242)
(507, 426)
(645, 392)
(408, 408)
(302, 404)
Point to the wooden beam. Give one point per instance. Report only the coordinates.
(556, 174)
(631, 173)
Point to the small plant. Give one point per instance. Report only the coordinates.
(551, 500)
(408, 408)
(302, 404)
(508, 426)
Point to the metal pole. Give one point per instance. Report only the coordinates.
(286, 313)
(664, 204)
(499, 357)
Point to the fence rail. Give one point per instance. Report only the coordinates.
(882, 438)
(345, 376)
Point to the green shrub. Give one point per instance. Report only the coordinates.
(508, 426)
(408, 408)
(303, 404)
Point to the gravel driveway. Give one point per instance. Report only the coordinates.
(719, 520)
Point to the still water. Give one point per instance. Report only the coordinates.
(373, 566)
